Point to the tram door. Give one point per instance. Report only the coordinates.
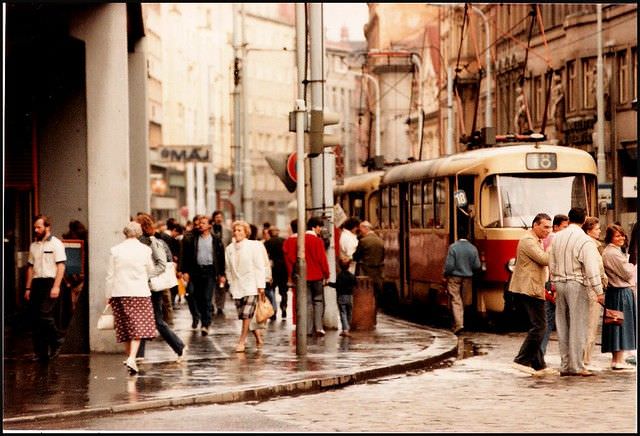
(403, 240)
(464, 222)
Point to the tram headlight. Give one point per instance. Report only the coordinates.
(511, 265)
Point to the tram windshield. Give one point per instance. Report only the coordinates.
(514, 200)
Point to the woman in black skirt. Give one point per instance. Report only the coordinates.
(127, 285)
(619, 296)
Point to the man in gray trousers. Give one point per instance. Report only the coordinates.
(462, 260)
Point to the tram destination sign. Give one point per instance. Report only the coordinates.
(181, 153)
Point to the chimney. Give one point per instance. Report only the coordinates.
(344, 34)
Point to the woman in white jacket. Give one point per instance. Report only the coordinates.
(127, 290)
(247, 274)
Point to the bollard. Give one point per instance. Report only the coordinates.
(363, 316)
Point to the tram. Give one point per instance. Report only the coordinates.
(489, 194)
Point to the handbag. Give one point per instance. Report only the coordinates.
(166, 280)
(613, 317)
(106, 320)
(264, 309)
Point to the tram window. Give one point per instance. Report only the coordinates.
(393, 208)
(490, 205)
(441, 206)
(523, 196)
(374, 209)
(416, 205)
(427, 206)
(384, 208)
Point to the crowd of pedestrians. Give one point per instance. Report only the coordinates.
(562, 278)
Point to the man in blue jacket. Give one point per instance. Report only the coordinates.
(462, 260)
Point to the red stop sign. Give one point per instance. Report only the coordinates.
(291, 166)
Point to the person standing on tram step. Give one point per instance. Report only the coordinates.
(575, 273)
(461, 263)
(560, 222)
(45, 269)
(527, 284)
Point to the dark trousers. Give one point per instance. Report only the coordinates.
(204, 281)
(163, 328)
(550, 310)
(270, 291)
(530, 353)
(191, 302)
(42, 308)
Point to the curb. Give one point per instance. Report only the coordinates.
(442, 348)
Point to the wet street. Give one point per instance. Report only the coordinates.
(477, 392)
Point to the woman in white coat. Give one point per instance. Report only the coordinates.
(127, 290)
(246, 275)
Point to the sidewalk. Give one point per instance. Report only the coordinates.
(213, 372)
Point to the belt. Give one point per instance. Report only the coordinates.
(206, 266)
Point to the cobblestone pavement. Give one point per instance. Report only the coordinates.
(479, 393)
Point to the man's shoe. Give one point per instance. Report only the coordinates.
(284, 313)
(523, 368)
(585, 373)
(545, 372)
(220, 312)
(204, 331)
(194, 325)
(320, 332)
(273, 318)
(568, 374)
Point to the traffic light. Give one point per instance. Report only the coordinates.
(317, 138)
(284, 165)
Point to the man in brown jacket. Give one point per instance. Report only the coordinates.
(527, 283)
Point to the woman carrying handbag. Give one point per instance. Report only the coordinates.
(616, 339)
(247, 272)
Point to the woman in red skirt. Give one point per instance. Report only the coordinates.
(130, 297)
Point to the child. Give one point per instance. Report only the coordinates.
(345, 283)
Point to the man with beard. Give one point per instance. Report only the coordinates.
(45, 270)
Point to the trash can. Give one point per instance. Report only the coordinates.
(363, 316)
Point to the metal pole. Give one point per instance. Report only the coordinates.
(236, 197)
(376, 87)
(191, 186)
(200, 205)
(301, 282)
(602, 168)
(247, 184)
(416, 61)
(488, 113)
(323, 166)
(450, 114)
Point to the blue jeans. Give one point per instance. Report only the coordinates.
(345, 305)
(270, 292)
(204, 281)
(550, 311)
(163, 328)
(315, 306)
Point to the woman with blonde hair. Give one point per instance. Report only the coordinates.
(247, 274)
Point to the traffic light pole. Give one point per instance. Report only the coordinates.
(323, 165)
(301, 112)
